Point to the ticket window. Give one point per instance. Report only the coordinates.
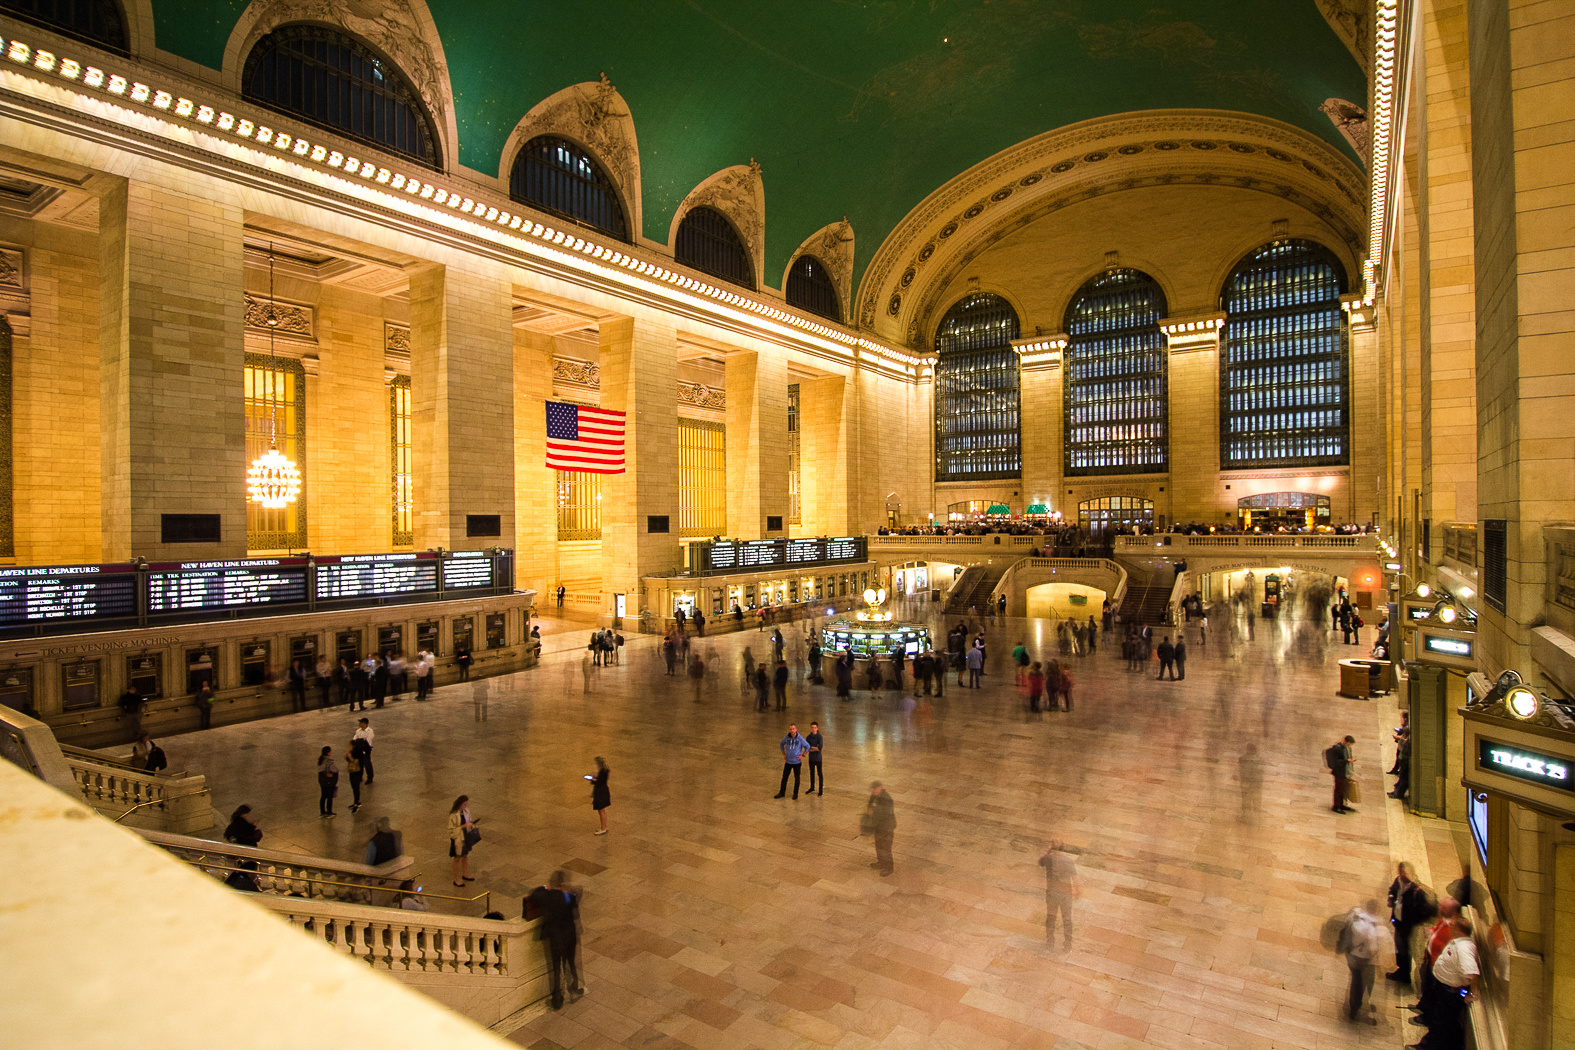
(497, 630)
(202, 665)
(716, 601)
(16, 689)
(145, 674)
(304, 649)
(793, 591)
(347, 647)
(427, 637)
(464, 629)
(254, 662)
(749, 596)
(388, 639)
(79, 685)
(684, 602)
(782, 593)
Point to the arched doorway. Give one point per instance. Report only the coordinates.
(1100, 517)
(1269, 511)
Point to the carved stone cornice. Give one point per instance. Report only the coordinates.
(13, 269)
(396, 338)
(702, 396)
(290, 321)
(575, 372)
(1076, 163)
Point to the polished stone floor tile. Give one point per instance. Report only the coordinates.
(717, 916)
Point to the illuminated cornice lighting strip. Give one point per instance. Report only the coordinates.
(1039, 351)
(1385, 37)
(1193, 327)
(376, 180)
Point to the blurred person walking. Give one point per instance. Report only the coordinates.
(880, 820)
(1061, 890)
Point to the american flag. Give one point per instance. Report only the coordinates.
(583, 438)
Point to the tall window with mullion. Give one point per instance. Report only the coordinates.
(810, 287)
(579, 505)
(402, 456)
(795, 476)
(707, 241)
(276, 418)
(702, 477)
(1116, 402)
(978, 392)
(97, 22)
(1285, 363)
(557, 176)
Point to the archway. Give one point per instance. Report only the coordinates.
(1065, 601)
(1269, 511)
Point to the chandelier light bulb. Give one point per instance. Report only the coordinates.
(272, 480)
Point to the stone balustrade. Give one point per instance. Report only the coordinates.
(1367, 544)
(313, 878)
(140, 799)
(485, 969)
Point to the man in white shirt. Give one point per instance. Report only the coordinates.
(1457, 970)
(365, 732)
(1361, 942)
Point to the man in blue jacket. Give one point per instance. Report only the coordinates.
(793, 750)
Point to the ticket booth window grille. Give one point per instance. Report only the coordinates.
(97, 22)
(347, 646)
(556, 176)
(332, 80)
(202, 665)
(402, 457)
(497, 636)
(143, 673)
(276, 412)
(79, 684)
(1116, 403)
(16, 689)
(709, 243)
(795, 492)
(463, 630)
(702, 478)
(1285, 360)
(256, 661)
(810, 287)
(978, 392)
(579, 505)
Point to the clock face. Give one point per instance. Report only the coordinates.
(1522, 703)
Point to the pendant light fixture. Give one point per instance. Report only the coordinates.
(272, 481)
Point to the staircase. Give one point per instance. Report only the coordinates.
(973, 587)
(1146, 605)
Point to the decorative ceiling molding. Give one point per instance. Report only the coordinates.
(575, 372)
(702, 396)
(739, 193)
(1351, 22)
(832, 244)
(1082, 161)
(290, 321)
(594, 116)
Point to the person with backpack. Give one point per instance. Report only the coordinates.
(1361, 941)
(1337, 757)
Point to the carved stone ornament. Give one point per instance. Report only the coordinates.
(1350, 119)
(286, 319)
(579, 373)
(594, 115)
(12, 268)
(1349, 20)
(701, 396)
(396, 338)
(739, 194)
(833, 246)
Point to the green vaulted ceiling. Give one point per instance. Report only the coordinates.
(852, 107)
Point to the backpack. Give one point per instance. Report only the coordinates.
(156, 760)
(1332, 755)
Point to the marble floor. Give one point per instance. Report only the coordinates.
(718, 916)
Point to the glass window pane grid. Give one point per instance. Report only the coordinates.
(555, 175)
(794, 461)
(336, 82)
(1117, 401)
(1285, 373)
(978, 392)
(91, 21)
(809, 287)
(708, 242)
(401, 456)
(275, 394)
(579, 505)
(702, 478)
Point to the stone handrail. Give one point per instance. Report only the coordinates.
(1289, 541)
(485, 969)
(177, 804)
(293, 873)
(928, 541)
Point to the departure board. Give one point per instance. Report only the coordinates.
(179, 587)
(748, 555)
(376, 575)
(467, 570)
(53, 594)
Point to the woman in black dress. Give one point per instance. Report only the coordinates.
(600, 797)
(327, 782)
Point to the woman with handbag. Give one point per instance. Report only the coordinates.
(462, 836)
(601, 797)
(327, 782)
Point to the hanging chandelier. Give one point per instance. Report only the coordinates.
(273, 480)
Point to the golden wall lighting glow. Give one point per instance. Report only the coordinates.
(1382, 116)
(272, 480)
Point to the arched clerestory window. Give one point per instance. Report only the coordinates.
(810, 287)
(1285, 360)
(710, 244)
(1116, 404)
(99, 22)
(555, 175)
(978, 392)
(331, 79)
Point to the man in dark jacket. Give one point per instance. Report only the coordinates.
(880, 820)
(1338, 759)
(1410, 905)
(1167, 656)
(557, 905)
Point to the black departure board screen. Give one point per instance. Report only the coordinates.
(750, 555)
(376, 575)
(50, 594)
(195, 586)
(467, 570)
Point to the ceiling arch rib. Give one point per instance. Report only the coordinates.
(936, 240)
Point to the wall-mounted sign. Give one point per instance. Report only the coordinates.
(65, 593)
(183, 587)
(1432, 643)
(728, 556)
(1494, 757)
(1391, 566)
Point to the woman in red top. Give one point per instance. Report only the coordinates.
(1036, 686)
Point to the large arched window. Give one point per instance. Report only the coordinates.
(1116, 404)
(98, 22)
(1284, 365)
(555, 175)
(978, 417)
(708, 242)
(809, 287)
(339, 83)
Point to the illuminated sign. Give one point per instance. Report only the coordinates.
(35, 595)
(1391, 566)
(199, 586)
(1419, 612)
(1446, 646)
(1527, 765)
(728, 555)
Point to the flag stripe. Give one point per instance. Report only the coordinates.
(583, 438)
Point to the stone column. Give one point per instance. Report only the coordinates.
(823, 455)
(171, 368)
(757, 442)
(535, 484)
(349, 440)
(639, 372)
(1043, 459)
(1194, 427)
(461, 406)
